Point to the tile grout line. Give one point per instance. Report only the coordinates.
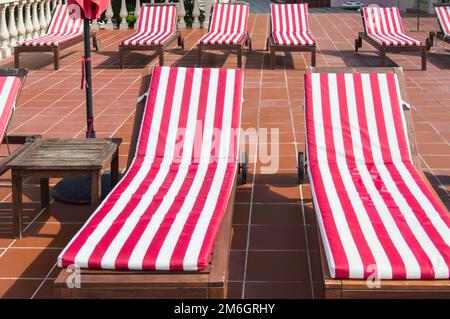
(300, 186)
(254, 173)
(43, 281)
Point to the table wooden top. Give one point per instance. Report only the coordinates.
(66, 154)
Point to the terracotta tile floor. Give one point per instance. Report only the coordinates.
(275, 251)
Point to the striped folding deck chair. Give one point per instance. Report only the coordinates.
(289, 30)
(157, 29)
(11, 82)
(65, 29)
(227, 30)
(443, 29)
(383, 29)
(170, 215)
(378, 217)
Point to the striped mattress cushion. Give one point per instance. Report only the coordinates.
(9, 91)
(443, 14)
(165, 212)
(377, 217)
(66, 25)
(228, 24)
(384, 25)
(290, 24)
(156, 25)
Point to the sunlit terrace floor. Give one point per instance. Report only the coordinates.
(275, 251)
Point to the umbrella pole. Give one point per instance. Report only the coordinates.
(90, 132)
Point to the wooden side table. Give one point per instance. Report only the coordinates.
(63, 158)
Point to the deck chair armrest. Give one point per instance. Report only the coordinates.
(20, 139)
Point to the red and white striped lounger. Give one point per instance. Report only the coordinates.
(443, 15)
(157, 29)
(11, 82)
(383, 29)
(376, 214)
(227, 30)
(65, 29)
(289, 30)
(171, 212)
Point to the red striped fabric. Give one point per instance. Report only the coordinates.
(166, 211)
(156, 25)
(290, 24)
(9, 91)
(66, 25)
(377, 216)
(384, 25)
(228, 24)
(443, 14)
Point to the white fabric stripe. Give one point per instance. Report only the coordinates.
(5, 92)
(410, 261)
(384, 269)
(170, 242)
(198, 235)
(85, 251)
(348, 243)
(402, 115)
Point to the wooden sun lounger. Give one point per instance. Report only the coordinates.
(159, 48)
(22, 140)
(239, 47)
(55, 49)
(210, 282)
(439, 33)
(273, 48)
(355, 288)
(383, 49)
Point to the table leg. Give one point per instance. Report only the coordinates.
(96, 190)
(17, 204)
(115, 169)
(45, 193)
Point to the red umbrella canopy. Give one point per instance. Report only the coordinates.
(92, 9)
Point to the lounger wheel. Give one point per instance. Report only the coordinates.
(357, 44)
(181, 43)
(301, 166)
(243, 167)
(428, 44)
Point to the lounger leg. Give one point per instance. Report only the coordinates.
(199, 55)
(161, 56)
(239, 57)
(382, 57)
(313, 57)
(267, 44)
(121, 58)
(16, 58)
(45, 193)
(249, 44)
(17, 204)
(424, 58)
(272, 58)
(56, 58)
(181, 42)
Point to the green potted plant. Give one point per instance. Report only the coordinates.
(131, 19)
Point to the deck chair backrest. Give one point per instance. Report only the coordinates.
(158, 18)
(443, 14)
(192, 115)
(66, 20)
(382, 21)
(355, 118)
(290, 17)
(10, 85)
(229, 18)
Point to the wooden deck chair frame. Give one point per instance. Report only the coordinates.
(56, 49)
(439, 33)
(210, 282)
(23, 140)
(388, 48)
(159, 48)
(246, 41)
(357, 288)
(273, 47)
